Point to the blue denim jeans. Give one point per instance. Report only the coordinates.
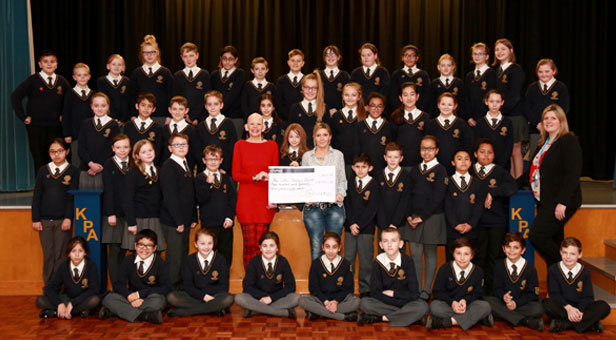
(318, 220)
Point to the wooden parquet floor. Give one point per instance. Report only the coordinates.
(19, 320)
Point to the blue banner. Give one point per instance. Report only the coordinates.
(521, 217)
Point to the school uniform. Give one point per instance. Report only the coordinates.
(463, 204)
(155, 79)
(142, 205)
(540, 95)
(493, 222)
(361, 205)
(500, 131)
(45, 95)
(194, 155)
(96, 136)
(330, 281)
(304, 113)
(334, 80)
(217, 205)
(405, 307)
(573, 287)
(117, 91)
(290, 157)
(415, 75)
(192, 84)
(114, 188)
(395, 192)
(441, 85)
(510, 78)
(76, 109)
(277, 283)
(344, 124)
(409, 132)
(476, 84)
(220, 131)
(138, 129)
(453, 134)
(201, 277)
(251, 95)
(373, 135)
(178, 208)
(230, 84)
(450, 286)
(77, 285)
(375, 80)
(520, 280)
(152, 286)
(287, 92)
(51, 204)
(273, 131)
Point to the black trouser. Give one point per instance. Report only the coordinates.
(546, 233)
(489, 249)
(555, 309)
(224, 242)
(39, 138)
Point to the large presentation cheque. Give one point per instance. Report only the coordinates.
(292, 184)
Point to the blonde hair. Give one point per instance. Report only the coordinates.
(320, 93)
(102, 95)
(138, 162)
(372, 48)
(149, 40)
(546, 61)
(561, 116)
(361, 109)
(188, 47)
(117, 56)
(81, 65)
(259, 60)
(448, 56)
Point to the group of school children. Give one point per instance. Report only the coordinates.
(414, 180)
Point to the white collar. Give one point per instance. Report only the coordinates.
(364, 181)
(305, 104)
(346, 109)
(104, 119)
(202, 259)
(272, 261)
(79, 267)
(411, 70)
(384, 259)
(181, 125)
(486, 168)
(45, 77)
(256, 82)
(111, 78)
(576, 269)
(154, 67)
(195, 69)
(457, 270)
(504, 66)
(458, 178)
(148, 169)
(208, 172)
(482, 69)
(147, 122)
(444, 79)
(442, 118)
(328, 71)
(394, 171)
(229, 71)
(62, 167)
(414, 113)
(498, 118)
(430, 164)
(299, 76)
(270, 121)
(146, 263)
(219, 118)
(291, 149)
(179, 160)
(78, 90)
(549, 83)
(371, 68)
(519, 264)
(379, 121)
(119, 161)
(328, 263)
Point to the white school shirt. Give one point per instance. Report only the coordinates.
(154, 67)
(328, 263)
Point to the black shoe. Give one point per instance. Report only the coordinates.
(151, 317)
(221, 313)
(363, 295)
(227, 310)
(364, 319)
(292, 313)
(533, 323)
(559, 325)
(352, 316)
(48, 313)
(84, 313)
(172, 313)
(488, 320)
(247, 313)
(597, 327)
(435, 323)
(424, 295)
(105, 313)
(421, 321)
(311, 316)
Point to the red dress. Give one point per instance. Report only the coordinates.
(248, 160)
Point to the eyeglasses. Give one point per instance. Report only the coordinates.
(227, 59)
(428, 149)
(410, 55)
(331, 54)
(57, 151)
(372, 106)
(478, 54)
(145, 246)
(179, 145)
(149, 52)
(310, 88)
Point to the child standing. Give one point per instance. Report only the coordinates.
(331, 285)
(152, 78)
(395, 190)
(410, 124)
(96, 135)
(371, 75)
(477, 83)
(144, 127)
(179, 110)
(216, 196)
(288, 91)
(115, 86)
(375, 131)
(254, 89)
(294, 146)
(269, 284)
(457, 290)
(206, 281)
(447, 82)
(426, 218)
(516, 287)
(361, 205)
(394, 294)
(497, 128)
(74, 287)
(45, 92)
(178, 214)
(335, 78)
(52, 205)
(271, 121)
(76, 108)
(192, 83)
(114, 185)
(344, 123)
(410, 73)
(571, 303)
(217, 129)
(312, 108)
(139, 293)
(229, 80)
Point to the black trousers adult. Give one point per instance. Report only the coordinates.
(489, 249)
(546, 232)
(39, 138)
(554, 308)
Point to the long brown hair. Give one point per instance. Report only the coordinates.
(372, 48)
(505, 42)
(361, 109)
(138, 162)
(284, 149)
(320, 101)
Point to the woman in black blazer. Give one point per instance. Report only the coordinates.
(555, 181)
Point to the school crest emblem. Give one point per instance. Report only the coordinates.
(59, 90)
(214, 275)
(472, 199)
(66, 180)
(400, 187)
(484, 86)
(199, 85)
(339, 87)
(377, 81)
(503, 131)
(107, 132)
(401, 274)
(340, 281)
(456, 133)
(419, 81)
(279, 278)
(230, 85)
(84, 283)
(420, 125)
(455, 91)
(523, 285)
(431, 176)
(469, 289)
(383, 140)
(504, 79)
(492, 183)
(151, 136)
(366, 195)
(159, 79)
(537, 291)
(554, 95)
(224, 188)
(446, 181)
(123, 89)
(151, 279)
(580, 287)
(223, 135)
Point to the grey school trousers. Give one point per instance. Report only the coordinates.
(398, 316)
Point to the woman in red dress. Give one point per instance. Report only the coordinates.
(251, 159)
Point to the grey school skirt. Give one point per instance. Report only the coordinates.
(128, 239)
(520, 128)
(431, 231)
(87, 182)
(113, 234)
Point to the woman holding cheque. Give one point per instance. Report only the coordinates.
(324, 216)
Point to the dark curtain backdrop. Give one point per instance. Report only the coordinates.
(573, 33)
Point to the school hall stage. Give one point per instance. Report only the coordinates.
(594, 224)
